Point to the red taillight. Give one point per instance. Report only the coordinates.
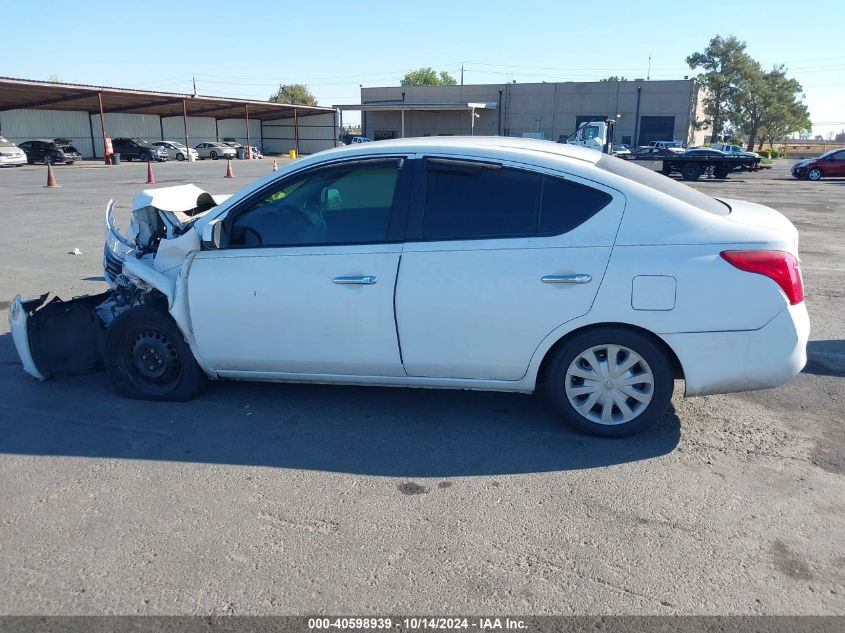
(779, 266)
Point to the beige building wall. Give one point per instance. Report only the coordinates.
(551, 109)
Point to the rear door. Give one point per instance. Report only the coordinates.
(498, 256)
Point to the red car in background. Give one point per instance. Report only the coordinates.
(829, 164)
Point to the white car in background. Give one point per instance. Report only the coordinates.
(11, 154)
(468, 263)
(177, 151)
(214, 150)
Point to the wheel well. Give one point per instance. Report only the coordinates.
(677, 368)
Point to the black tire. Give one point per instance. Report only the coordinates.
(213, 155)
(691, 171)
(721, 173)
(180, 157)
(649, 351)
(169, 372)
(814, 174)
(48, 160)
(666, 169)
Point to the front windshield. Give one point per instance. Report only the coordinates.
(5, 143)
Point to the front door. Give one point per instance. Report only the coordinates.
(502, 257)
(305, 282)
(834, 165)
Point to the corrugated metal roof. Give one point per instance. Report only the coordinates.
(29, 94)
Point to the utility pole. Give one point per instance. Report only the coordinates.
(195, 85)
(462, 75)
(648, 74)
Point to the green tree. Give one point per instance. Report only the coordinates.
(427, 77)
(294, 94)
(613, 78)
(723, 63)
(767, 105)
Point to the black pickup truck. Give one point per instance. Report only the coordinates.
(694, 163)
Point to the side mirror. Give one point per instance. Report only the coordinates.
(212, 234)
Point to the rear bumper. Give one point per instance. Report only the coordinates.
(5, 159)
(725, 362)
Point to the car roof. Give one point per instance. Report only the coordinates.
(470, 144)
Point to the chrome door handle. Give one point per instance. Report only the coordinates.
(567, 279)
(366, 280)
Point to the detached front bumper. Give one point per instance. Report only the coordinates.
(58, 338)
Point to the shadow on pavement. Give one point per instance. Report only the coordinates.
(360, 430)
(826, 358)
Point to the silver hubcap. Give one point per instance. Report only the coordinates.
(814, 174)
(609, 384)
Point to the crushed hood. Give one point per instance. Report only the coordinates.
(185, 202)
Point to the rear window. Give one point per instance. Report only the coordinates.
(663, 184)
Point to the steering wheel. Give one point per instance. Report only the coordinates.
(251, 237)
(294, 219)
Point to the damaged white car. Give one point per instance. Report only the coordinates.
(471, 263)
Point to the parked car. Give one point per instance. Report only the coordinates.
(360, 139)
(138, 149)
(621, 151)
(522, 262)
(11, 154)
(647, 152)
(49, 151)
(676, 145)
(829, 164)
(735, 150)
(214, 150)
(177, 151)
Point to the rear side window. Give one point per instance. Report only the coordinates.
(566, 205)
(466, 200)
(663, 184)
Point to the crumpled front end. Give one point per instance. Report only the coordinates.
(65, 337)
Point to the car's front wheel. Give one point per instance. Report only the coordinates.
(147, 357)
(611, 382)
(814, 174)
(180, 157)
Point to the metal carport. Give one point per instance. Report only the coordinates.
(25, 94)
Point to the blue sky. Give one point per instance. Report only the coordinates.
(247, 48)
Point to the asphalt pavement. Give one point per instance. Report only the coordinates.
(293, 499)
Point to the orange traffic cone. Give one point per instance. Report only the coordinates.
(151, 179)
(51, 179)
(275, 165)
(229, 172)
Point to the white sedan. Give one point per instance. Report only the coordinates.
(177, 151)
(469, 263)
(215, 150)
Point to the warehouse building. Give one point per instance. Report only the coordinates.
(87, 114)
(644, 111)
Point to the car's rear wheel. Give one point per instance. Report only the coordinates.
(610, 382)
(814, 174)
(721, 172)
(213, 155)
(147, 357)
(48, 160)
(691, 171)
